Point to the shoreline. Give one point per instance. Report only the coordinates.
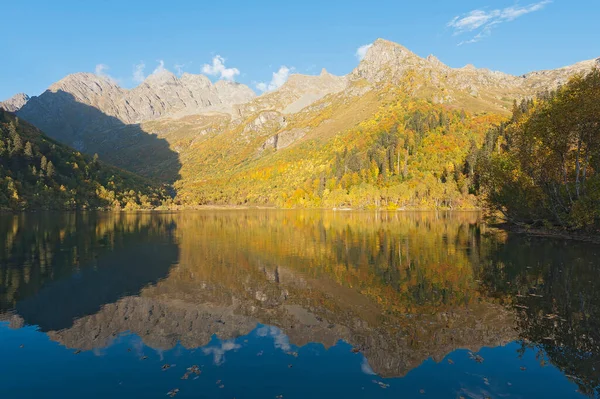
(542, 233)
(502, 226)
(241, 207)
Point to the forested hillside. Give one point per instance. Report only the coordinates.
(542, 166)
(398, 132)
(36, 172)
(406, 153)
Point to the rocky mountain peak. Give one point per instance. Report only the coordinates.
(236, 93)
(384, 60)
(85, 88)
(386, 48)
(161, 78)
(14, 103)
(192, 80)
(296, 93)
(82, 105)
(384, 52)
(227, 83)
(107, 105)
(91, 81)
(321, 84)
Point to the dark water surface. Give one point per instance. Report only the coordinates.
(291, 304)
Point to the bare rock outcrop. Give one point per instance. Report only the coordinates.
(390, 63)
(297, 93)
(283, 139)
(161, 94)
(14, 103)
(166, 115)
(85, 103)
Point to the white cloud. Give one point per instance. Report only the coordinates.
(218, 69)
(280, 340)
(179, 68)
(514, 12)
(138, 72)
(473, 20)
(160, 68)
(262, 86)
(101, 69)
(362, 51)
(482, 22)
(218, 352)
(279, 78)
(365, 367)
(481, 35)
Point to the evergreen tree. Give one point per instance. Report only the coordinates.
(50, 169)
(17, 144)
(61, 178)
(28, 151)
(44, 163)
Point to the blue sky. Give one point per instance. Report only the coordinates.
(42, 40)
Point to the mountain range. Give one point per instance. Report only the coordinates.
(220, 143)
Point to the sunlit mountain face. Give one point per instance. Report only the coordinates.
(301, 304)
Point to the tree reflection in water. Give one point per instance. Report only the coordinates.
(400, 287)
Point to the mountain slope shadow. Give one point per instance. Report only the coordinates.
(89, 130)
(116, 275)
(86, 263)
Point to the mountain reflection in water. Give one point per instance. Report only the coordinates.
(390, 294)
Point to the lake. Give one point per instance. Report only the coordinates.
(293, 304)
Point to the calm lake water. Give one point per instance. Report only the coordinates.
(292, 304)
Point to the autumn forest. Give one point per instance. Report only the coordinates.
(538, 166)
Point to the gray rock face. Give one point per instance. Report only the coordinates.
(297, 93)
(14, 103)
(283, 139)
(161, 94)
(538, 79)
(93, 114)
(84, 104)
(387, 62)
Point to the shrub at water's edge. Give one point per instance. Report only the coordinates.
(541, 168)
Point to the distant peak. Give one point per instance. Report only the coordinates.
(187, 75)
(82, 79)
(15, 103)
(324, 72)
(224, 82)
(195, 79)
(385, 58)
(161, 76)
(385, 50)
(80, 76)
(19, 96)
(382, 43)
